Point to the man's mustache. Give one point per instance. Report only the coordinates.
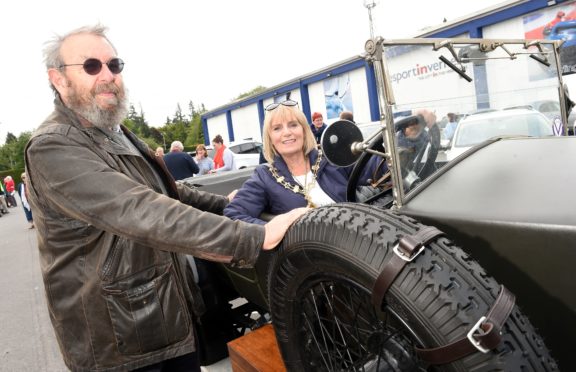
(106, 88)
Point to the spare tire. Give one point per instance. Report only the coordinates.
(320, 299)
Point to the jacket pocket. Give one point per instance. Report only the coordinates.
(147, 310)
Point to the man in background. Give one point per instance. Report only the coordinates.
(180, 164)
(347, 115)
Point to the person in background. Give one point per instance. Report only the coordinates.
(298, 174)
(23, 193)
(205, 163)
(180, 164)
(114, 228)
(3, 205)
(10, 190)
(317, 126)
(414, 132)
(347, 115)
(224, 158)
(159, 151)
(432, 127)
(451, 126)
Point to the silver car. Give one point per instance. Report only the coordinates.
(479, 127)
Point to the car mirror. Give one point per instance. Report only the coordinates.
(337, 141)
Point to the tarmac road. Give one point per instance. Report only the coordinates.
(27, 341)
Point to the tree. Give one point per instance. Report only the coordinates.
(12, 153)
(254, 91)
(157, 137)
(178, 117)
(137, 123)
(195, 133)
(192, 110)
(10, 137)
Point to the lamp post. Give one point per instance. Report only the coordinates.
(163, 140)
(370, 4)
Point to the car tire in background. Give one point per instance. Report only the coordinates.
(320, 299)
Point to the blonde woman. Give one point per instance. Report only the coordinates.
(298, 174)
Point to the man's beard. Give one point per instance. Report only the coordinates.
(85, 105)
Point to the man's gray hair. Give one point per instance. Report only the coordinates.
(52, 57)
(176, 145)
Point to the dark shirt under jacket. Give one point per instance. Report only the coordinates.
(181, 165)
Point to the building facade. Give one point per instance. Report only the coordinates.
(350, 85)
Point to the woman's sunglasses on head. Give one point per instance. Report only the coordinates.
(93, 66)
(274, 105)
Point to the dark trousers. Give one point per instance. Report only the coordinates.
(183, 363)
(11, 200)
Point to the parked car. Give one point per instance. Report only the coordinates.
(246, 152)
(480, 247)
(476, 128)
(550, 108)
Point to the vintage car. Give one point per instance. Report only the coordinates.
(460, 264)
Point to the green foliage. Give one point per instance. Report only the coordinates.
(186, 128)
(151, 142)
(10, 138)
(12, 153)
(254, 91)
(137, 123)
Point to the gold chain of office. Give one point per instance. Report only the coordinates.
(298, 189)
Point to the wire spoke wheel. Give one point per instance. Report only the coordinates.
(340, 331)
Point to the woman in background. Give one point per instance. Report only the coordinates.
(224, 158)
(205, 163)
(23, 192)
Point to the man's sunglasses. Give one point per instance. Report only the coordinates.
(93, 66)
(288, 103)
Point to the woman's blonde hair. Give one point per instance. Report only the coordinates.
(286, 113)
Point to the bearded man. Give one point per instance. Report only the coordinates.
(113, 226)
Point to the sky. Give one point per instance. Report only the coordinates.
(204, 51)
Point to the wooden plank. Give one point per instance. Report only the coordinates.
(256, 351)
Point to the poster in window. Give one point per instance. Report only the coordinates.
(338, 95)
(556, 23)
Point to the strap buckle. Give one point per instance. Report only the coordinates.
(402, 255)
(473, 341)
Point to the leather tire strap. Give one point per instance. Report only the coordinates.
(408, 246)
(487, 336)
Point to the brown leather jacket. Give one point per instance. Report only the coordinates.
(110, 230)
